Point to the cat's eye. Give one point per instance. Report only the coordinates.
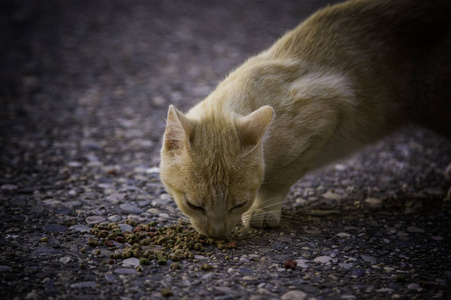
(195, 207)
(236, 207)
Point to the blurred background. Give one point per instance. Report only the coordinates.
(104, 72)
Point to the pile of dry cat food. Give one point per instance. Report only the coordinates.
(148, 242)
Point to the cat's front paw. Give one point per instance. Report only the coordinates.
(260, 218)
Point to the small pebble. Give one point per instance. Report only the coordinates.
(131, 262)
(65, 259)
(8, 187)
(332, 196)
(74, 164)
(84, 284)
(368, 258)
(415, 287)
(343, 235)
(323, 259)
(110, 277)
(130, 208)
(95, 220)
(80, 228)
(374, 201)
(125, 271)
(294, 295)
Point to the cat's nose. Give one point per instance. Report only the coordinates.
(217, 232)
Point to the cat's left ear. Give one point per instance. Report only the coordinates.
(252, 127)
(178, 130)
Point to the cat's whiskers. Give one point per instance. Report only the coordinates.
(282, 219)
(261, 216)
(274, 204)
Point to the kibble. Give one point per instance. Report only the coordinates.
(290, 264)
(92, 241)
(147, 242)
(166, 292)
(175, 266)
(206, 267)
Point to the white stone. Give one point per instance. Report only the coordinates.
(373, 201)
(415, 287)
(105, 186)
(340, 167)
(130, 262)
(164, 215)
(244, 260)
(9, 187)
(153, 170)
(65, 259)
(114, 218)
(343, 235)
(323, 259)
(95, 219)
(130, 208)
(333, 196)
(80, 228)
(301, 263)
(116, 198)
(125, 227)
(250, 278)
(294, 295)
(74, 164)
(154, 211)
(52, 202)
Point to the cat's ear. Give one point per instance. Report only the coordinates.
(252, 127)
(178, 130)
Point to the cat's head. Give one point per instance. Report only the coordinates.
(213, 166)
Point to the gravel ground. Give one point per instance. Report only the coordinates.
(84, 91)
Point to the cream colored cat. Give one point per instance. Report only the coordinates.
(345, 77)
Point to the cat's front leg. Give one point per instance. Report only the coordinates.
(266, 210)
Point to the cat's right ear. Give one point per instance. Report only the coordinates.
(178, 130)
(252, 127)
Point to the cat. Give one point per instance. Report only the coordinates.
(345, 77)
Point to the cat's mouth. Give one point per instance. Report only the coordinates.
(216, 230)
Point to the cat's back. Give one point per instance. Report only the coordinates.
(336, 32)
(392, 51)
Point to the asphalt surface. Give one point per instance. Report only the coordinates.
(84, 90)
